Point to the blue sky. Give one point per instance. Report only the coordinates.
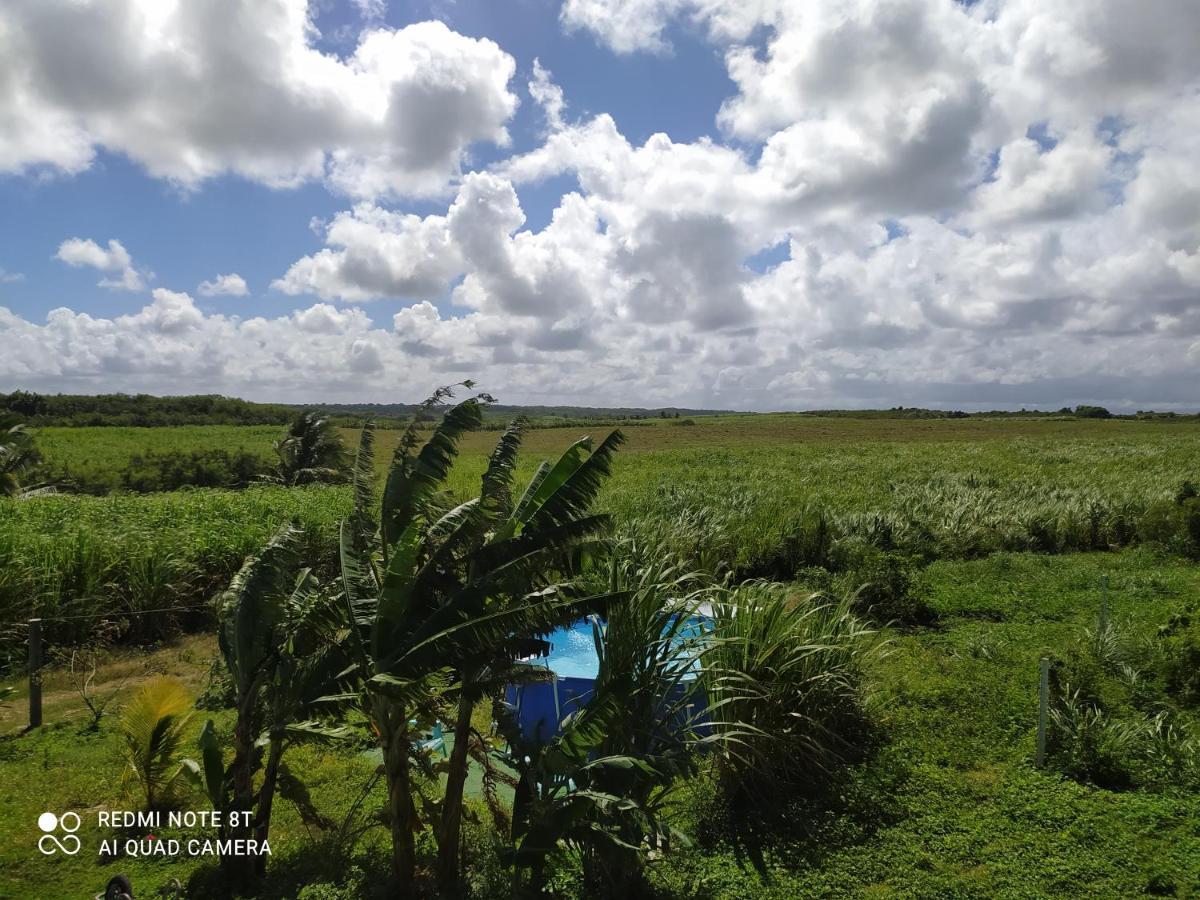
(257, 231)
(856, 202)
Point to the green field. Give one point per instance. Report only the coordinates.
(740, 492)
(1005, 531)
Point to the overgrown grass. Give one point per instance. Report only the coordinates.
(757, 496)
(950, 806)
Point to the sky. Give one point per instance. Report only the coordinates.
(748, 204)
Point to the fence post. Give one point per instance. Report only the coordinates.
(1043, 704)
(35, 673)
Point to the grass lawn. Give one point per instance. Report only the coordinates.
(950, 806)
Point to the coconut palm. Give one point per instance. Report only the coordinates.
(18, 456)
(446, 601)
(311, 451)
(153, 727)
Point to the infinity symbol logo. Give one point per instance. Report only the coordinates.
(50, 843)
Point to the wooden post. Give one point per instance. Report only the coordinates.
(1043, 706)
(35, 673)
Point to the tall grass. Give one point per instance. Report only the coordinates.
(71, 560)
(784, 682)
(756, 497)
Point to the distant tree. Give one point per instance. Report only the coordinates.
(25, 404)
(311, 451)
(1092, 412)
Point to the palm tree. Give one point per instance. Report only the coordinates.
(311, 451)
(278, 636)
(153, 726)
(18, 456)
(445, 601)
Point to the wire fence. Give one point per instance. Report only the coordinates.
(36, 656)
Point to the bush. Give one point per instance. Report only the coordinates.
(1113, 725)
(1174, 524)
(881, 583)
(785, 676)
(1179, 654)
(171, 470)
(1088, 746)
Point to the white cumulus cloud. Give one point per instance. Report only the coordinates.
(195, 90)
(231, 285)
(114, 259)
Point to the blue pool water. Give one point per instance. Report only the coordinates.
(542, 706)
(573, 651)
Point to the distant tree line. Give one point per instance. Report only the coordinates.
(917, 412)
(141, 410)
(147, 410)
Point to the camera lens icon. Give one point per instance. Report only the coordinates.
(50, 843)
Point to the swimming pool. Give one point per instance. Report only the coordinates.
(573, 651)
(574, 666)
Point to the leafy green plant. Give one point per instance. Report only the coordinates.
(785, 675)
(311, 451)
(882, 585)
(651, 649)
(442, 600)
(1088, 745)
(154, 727)
(561, 800)
(18, 457)
(278, 635)
(1177, 657)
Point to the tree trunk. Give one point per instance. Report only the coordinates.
(456, 780)
(400, 803)
(241, 868)
(266, 799)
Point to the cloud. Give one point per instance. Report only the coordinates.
(547, 95)
(231, 285)
(10, 277)
(192, 91)
(78, 252)
(373, 253)
(902, 201)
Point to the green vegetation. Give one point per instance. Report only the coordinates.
(873, 738)
(154, 725)
(18, 457)
(311, 452)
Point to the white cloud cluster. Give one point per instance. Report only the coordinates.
(115, 260)
(195, 90)
(971, 205)
(231, 285)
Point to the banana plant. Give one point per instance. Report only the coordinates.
(561, 798)
(446, 601)
(279, 639)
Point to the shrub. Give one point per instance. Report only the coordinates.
(1089, 746)
(785, 675)
(173, 469)
(881, 583)
(1179, 655)
(1174, 524)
